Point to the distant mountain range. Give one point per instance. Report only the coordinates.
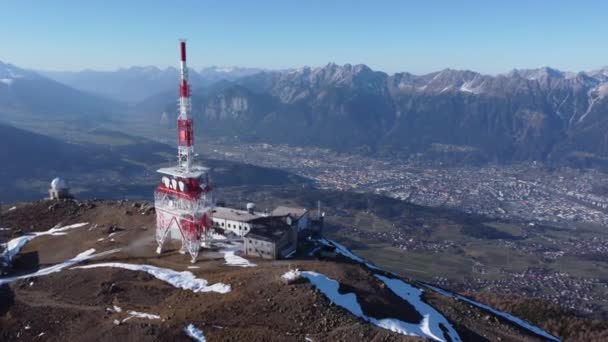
(539, 114)
(453, 115)
(27, 93)
(135, 84)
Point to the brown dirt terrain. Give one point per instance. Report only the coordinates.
(76, 304)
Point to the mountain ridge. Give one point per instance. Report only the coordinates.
(527, 114)
(26, 93)
(136, 83)
(538, 114)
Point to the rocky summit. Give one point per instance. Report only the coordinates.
(88, 271)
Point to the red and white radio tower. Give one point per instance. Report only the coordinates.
(184, 198)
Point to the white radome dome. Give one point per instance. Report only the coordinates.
(59, 184)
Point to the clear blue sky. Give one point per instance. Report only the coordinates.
(489, 36)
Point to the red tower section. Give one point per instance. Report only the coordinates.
(184, 198)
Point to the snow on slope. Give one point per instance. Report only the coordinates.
(468, 87)
(233, 259)
(509, 317)
(413, 296)
(183, 280)
(86, 255)
(137, 314)
(14, 246)
(515, 320)
(349, 301)
(292, 275)
(195, 333)
(347, 253)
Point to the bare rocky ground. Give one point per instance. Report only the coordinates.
(77, 304)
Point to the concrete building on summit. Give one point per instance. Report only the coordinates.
(272, 237)
(236, 221)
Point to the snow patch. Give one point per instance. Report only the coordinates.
(60, 230)
(348, 301)
(195, 333)
(432, 318)
(14, 246)
(235, 260)
(396, 288)
(592, 101)
(602, 91)
(137, 314)
(509, 317)
(231, 258)
(347, 253)
(86, 255)
(183, 280)
(467, 87)
(7, 81)
(12, 208)
(291, 275)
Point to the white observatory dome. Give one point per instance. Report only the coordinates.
(59, 184)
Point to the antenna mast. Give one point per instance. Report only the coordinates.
(185, 130)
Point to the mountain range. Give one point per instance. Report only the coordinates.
(135, 84)
(27, 93)
(537, 114)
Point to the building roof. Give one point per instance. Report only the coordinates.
(269, 228)
(295, 213)
(234, 214)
